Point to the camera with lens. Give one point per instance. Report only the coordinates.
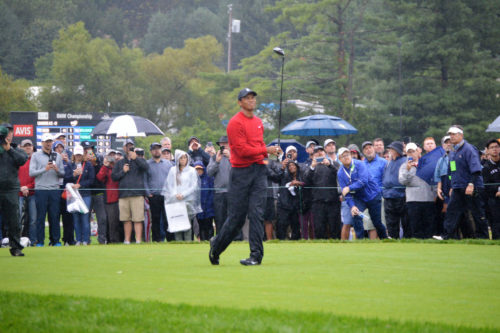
(289, 156)
(52, 157)
(222, 149)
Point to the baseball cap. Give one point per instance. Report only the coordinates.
(328, 141)
(445, 138)
(139, 151)
(57, 136)
(455, 129)
(291, 147)
(411, 146)
(47, 137)
(8, 126)
(318, 148)
(166, 149)
(397, 146)
(312, 142)
(154, 145)
(78, 150)
(343, 150)
(26, 142)
(193, 138)
(87, 144)
(366, 143)
(57, 143)
(244, 92)
(129, 141)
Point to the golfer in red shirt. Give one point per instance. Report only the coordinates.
(248, 183)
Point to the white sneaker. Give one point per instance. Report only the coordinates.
(126, 242)
(138, 242)
(78, 244)
(85, 243)
(437, 237)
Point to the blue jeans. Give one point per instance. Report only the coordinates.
(82, 223)
(48, 202)
(375, 209)
(32, 215)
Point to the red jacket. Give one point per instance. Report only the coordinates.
(104, 176)
(246, 140)
(25, 179)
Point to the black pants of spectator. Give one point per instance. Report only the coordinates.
(246, 196)
(288, 218)
(68, 224)
(396, 217)
(327, 220)
(494, 205)
(9, 208)
(437, 226)
(206, 228)
(459, 203)
(220, 210)
(98, 205)
(157, 207)
(421, 216)
(115, 226)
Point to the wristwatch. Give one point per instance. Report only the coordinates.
(470, 184)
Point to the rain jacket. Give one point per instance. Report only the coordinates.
(186, 183)
(10, 162)
(359, 180)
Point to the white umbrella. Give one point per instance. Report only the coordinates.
(127, 126)
(494, 126)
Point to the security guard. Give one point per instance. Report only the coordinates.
(466, 180)
(10, 161)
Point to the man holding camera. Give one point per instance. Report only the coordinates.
(130, 173)
(47, 167)
(10, 161)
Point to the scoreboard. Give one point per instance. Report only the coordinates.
(76, 126)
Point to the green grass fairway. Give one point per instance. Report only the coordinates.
(444, 286)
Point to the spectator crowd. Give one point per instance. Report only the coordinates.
(404, 190)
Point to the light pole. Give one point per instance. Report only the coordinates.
(281, 53)
(400, 97)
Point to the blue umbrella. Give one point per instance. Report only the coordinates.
(494, 126)
(319, 124)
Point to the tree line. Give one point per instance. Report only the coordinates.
(394, 69)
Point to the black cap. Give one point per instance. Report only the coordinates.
(154, 145)
(166, 149)
(318, 148)
(397, 146)
(8, 126)
(139, 151)
(193, 137)
(87, 144)
(222, 139)
(366, 143)
(244, 92)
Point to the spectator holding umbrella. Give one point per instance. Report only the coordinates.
(129, 172)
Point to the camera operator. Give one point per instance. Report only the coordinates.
(10, 160)
(130, 172)
(47, 167)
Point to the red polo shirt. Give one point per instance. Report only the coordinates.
(246, 140)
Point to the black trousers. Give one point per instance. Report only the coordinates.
(220, 210)
(68, 224)
(115, 226)
(9, 207)
(396, 216)
(246, 196)
(157, 207)
(459, 203)
(421, 216)
(326, 220)
(206, 228)
(494, 205)
(288, 218)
